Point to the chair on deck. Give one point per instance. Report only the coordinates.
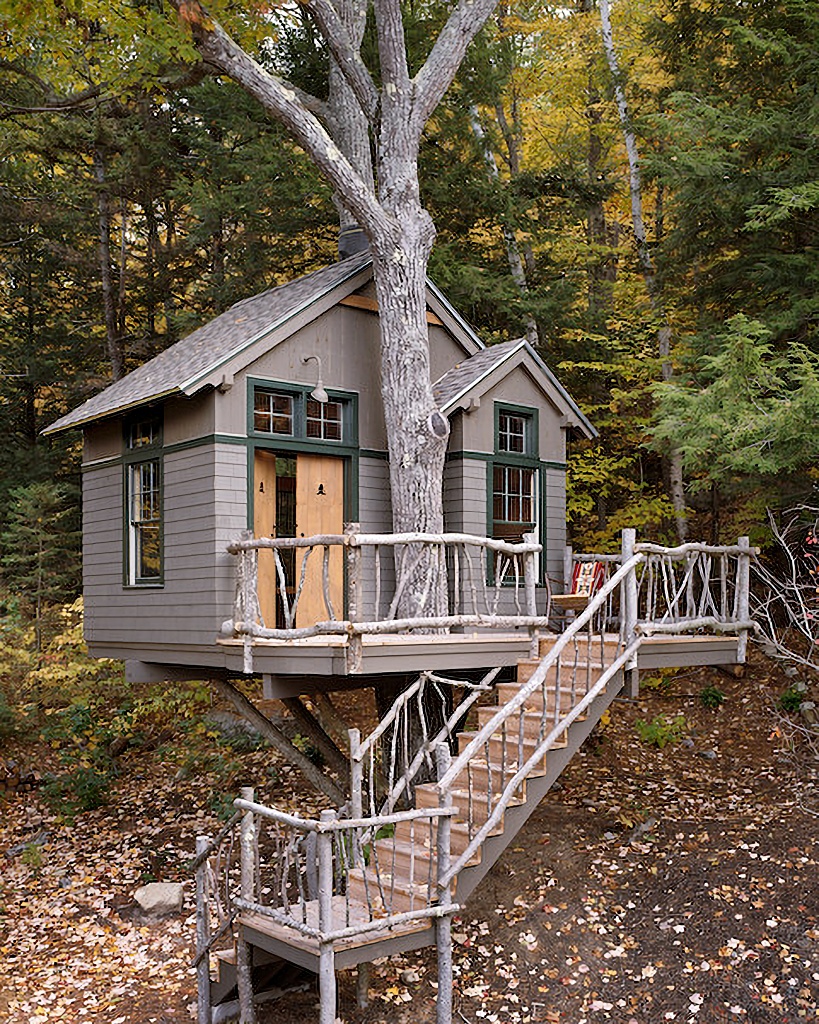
(587, 579)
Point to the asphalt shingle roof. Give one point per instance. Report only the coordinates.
(468, 372)
(209, 346)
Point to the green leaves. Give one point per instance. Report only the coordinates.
(746, 410)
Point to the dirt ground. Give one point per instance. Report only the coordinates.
(651, 885)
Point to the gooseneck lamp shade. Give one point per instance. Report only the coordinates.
(318, 393)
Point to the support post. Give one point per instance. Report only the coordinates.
(568, 568)
(530, 585)
(362, 985)
(244, 954)
(356, 790)
(628, 611)
(355, 648)
(327, 968)
(743, 596)
(203, 1015)
(250, 584)
(362, 980)
(443, 928)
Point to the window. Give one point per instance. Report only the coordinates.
(143, 502)
(324, 420)
(514, 475)
(513, 433)
(272, 412)
(291, 412)
(513, 495)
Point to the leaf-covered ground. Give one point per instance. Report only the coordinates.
(653, 885)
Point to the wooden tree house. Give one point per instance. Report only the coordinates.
(237, 523)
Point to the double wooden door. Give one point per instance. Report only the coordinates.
(298, 496)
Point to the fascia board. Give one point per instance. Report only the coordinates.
(56, 427)
(281, 329)
(457, 325)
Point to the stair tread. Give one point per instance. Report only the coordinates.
(346, 911)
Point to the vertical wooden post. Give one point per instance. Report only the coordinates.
(327, 969)
(250, 582)
(628, 610)
(443, 928)
(356, 789)
(244, 955)
(203, 1015)
(568, 568)
(354, 609)
(743, 597)
(530, 584)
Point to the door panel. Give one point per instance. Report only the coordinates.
(264, 525)
(319, 509)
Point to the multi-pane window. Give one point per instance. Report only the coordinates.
(323, 420)
(273, 412)
(145, 487)
(143, 501)
(297, 415)
(513, 495)
(513, 433)
(515, 475)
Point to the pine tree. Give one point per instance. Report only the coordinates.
(40, 549)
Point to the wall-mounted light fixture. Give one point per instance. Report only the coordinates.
(318, 392)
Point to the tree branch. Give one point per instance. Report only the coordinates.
(439, 69)
(392, 50)
(221, 51)
(347, 55)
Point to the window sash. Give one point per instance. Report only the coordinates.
(145, 521)
(514, 497)
(514, 432)
(324, 420)
(273, 413)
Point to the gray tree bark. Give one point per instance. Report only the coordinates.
(399, 229)
(675, 472)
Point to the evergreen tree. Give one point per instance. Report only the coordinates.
(39, 549)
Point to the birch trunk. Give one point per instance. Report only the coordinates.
(512, 249)
(675, 473)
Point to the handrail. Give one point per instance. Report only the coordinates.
(361, 540)
(338, 824)
(545, 745)
(523, 694)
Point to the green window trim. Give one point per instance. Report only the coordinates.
(333, 424)
(143, 502)
(514, 481)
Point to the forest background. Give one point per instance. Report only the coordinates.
(140, 197)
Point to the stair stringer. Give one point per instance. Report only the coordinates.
(536, 788)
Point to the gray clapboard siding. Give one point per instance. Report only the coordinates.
(374, 516)
(198, 590)
(554, 483)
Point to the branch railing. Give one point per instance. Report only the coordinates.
(305, 876)
(393, 583)
(690, 588)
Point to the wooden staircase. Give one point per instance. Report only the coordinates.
(399, 875)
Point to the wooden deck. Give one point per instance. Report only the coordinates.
(326, 656)
(304, 950)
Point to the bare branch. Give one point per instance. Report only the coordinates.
(436, 76)
(223, 53)
(347, 55)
